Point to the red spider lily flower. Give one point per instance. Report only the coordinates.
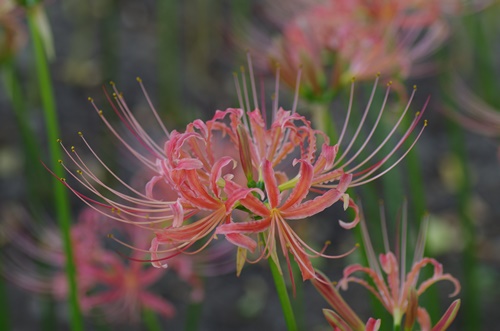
(234, 175)
(398, 290)
(342, 317)
(107, 283)
(333, 41)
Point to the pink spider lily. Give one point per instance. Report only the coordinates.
(333, 41)
(398, 290)
(235, 175)
(107, 283)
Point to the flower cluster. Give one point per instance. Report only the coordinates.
(108, 284)
(397, 291)
(240, 174)
(335, 40)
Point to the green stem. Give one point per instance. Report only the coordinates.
(151, 320)
(33, 174)
(193, 316)
(60, 193)
(286, 305)
(4, 314)
(470, 289)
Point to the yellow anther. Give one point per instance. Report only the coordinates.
(417, 113)
(353, 79)
(58, 140)
(60, 161)
(414, 87)
(139, 79)
(80, 133)
(100, 113)
(110, 236)
(328, 242)
(90, 99)
(73, 149)
(378, 74)
(425, 122)
(79, 172)
(63, 179)
(111, 83)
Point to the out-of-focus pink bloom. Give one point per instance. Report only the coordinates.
(397, 289)
(474, 113)
(107, 282)
(13, 34)
(333, 41)
(235, 175)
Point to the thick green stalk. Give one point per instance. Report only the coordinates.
(286, 305)
(60, 193)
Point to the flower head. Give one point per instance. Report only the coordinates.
(333, 41)
(108, 284)
(240, 174)
(397, 289)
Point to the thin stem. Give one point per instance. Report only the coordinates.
(33, 174)
(151, 320)
(471, 309)
(193, 316)
(286, 305)
(60, 194)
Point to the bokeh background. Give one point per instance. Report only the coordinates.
(185, 52)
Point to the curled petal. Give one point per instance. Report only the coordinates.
(150, 185)
(350, 204)
(155, 261)
(178, 213)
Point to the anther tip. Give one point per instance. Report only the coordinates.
(425, 122)
(90, 99)
(109, 235)
(139, 79)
